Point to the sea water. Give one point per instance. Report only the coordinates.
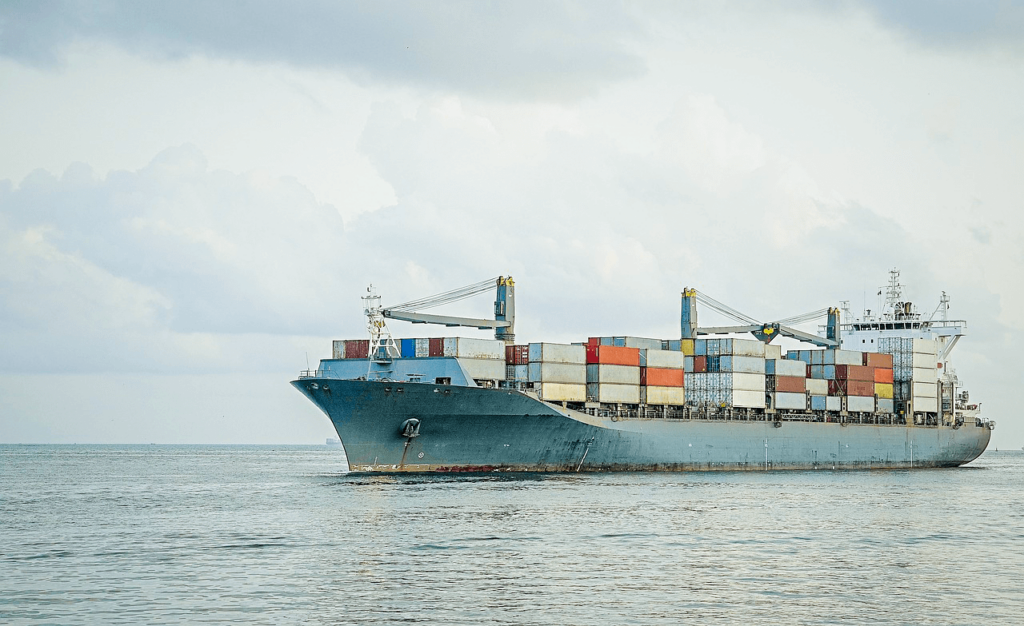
(283, 535)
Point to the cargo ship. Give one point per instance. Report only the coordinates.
(872, 393)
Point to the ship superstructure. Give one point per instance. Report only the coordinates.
(876, 391)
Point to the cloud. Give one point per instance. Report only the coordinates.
(948, 24)
(515, 50)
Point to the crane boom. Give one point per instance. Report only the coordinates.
(504, 308)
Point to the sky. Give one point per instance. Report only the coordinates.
(194, 195)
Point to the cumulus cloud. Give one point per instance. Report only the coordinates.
(517, 50)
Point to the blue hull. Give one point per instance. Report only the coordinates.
(478, 429)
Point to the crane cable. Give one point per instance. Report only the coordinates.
(725, 309)
(805, 317)
(447, 297)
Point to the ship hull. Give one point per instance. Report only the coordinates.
(459, 429)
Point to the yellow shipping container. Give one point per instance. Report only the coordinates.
(883, 390)
(687, 346)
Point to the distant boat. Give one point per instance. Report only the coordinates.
(331, 441)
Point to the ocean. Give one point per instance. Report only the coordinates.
(282, 535)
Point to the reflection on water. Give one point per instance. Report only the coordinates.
(183, 534)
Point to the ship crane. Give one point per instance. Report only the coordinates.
(504, 308)
(765, 331)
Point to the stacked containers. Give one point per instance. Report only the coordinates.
(517, 360)
(558, 371)
(883, 378)
(662, 377)
(915, 373)
(613, 374)
(789, 381)
(727, 372)
(481, 359)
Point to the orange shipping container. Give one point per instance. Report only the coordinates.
(613, 355)
(660, 377)
(874, 359)
(883, 375)
(854, 372)
(790, 384)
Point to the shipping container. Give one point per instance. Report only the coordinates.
(560, 392)
(790, 401)
(786, 368)
(924, 390)
(855, 372)
(920, 346)
(548, 372)
(470, 348)
(614, 394)
(741, 347)
(484, 369)
(926, 405)
(422, 348)
(518, 373)
(560, 353)
(743, 364)
(827, 372)
(924, 361)
(437, 346)
(743, 381)
(700, 347)
(924, 374)
(407, 347)
(357, 348)
(817, 357)
(818, 387)
(842, 357)
(688, 363)
(883, 375)
(613, 374)
(659, 376)
(772, 351)
(884, 405)
(686, 347)
(338, 349)
(669, 396)
(883, 390)
(818, 403)
(700, 364)
(662, 358)
(744, 399)
(877, 359)
(612, 355)
(641, 342)
(860, 404)
(790, 384)
(834, 403)
(517, 355)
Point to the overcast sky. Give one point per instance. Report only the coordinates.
(194, 195)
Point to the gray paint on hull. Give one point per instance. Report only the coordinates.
(476, 429)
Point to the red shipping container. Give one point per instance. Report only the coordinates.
(883, 375)
(860, 388)
(855, 372)
(790, 384)
(700, 364)
(874, 359)
(437, 347)
(836, 387)
(517, 355)
(594, 341)
(357, 349)
(660, 377)
(613, 355)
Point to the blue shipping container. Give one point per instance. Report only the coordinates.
(408, 348)
(818, 403)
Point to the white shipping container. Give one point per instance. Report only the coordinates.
(662, 358)
(558, 373)
(557, 353)
(561, 392)
(924, 390)
(790, 368)
(885, 405)
(616, 394)
(860, 404)
(470, 348)
(745, 382)
(925, 405)
(422, 348)
(613, 374)
(834, 403)
(923, 361)
(743, 364)
(742, 347)
(483, 369)
(817, 386)
(745, 399)
(639, 342)
(922, 346)
(772, 352)
(842, 357)
(925, 375)
(785, 400)
(338, 349)
(671, 396)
